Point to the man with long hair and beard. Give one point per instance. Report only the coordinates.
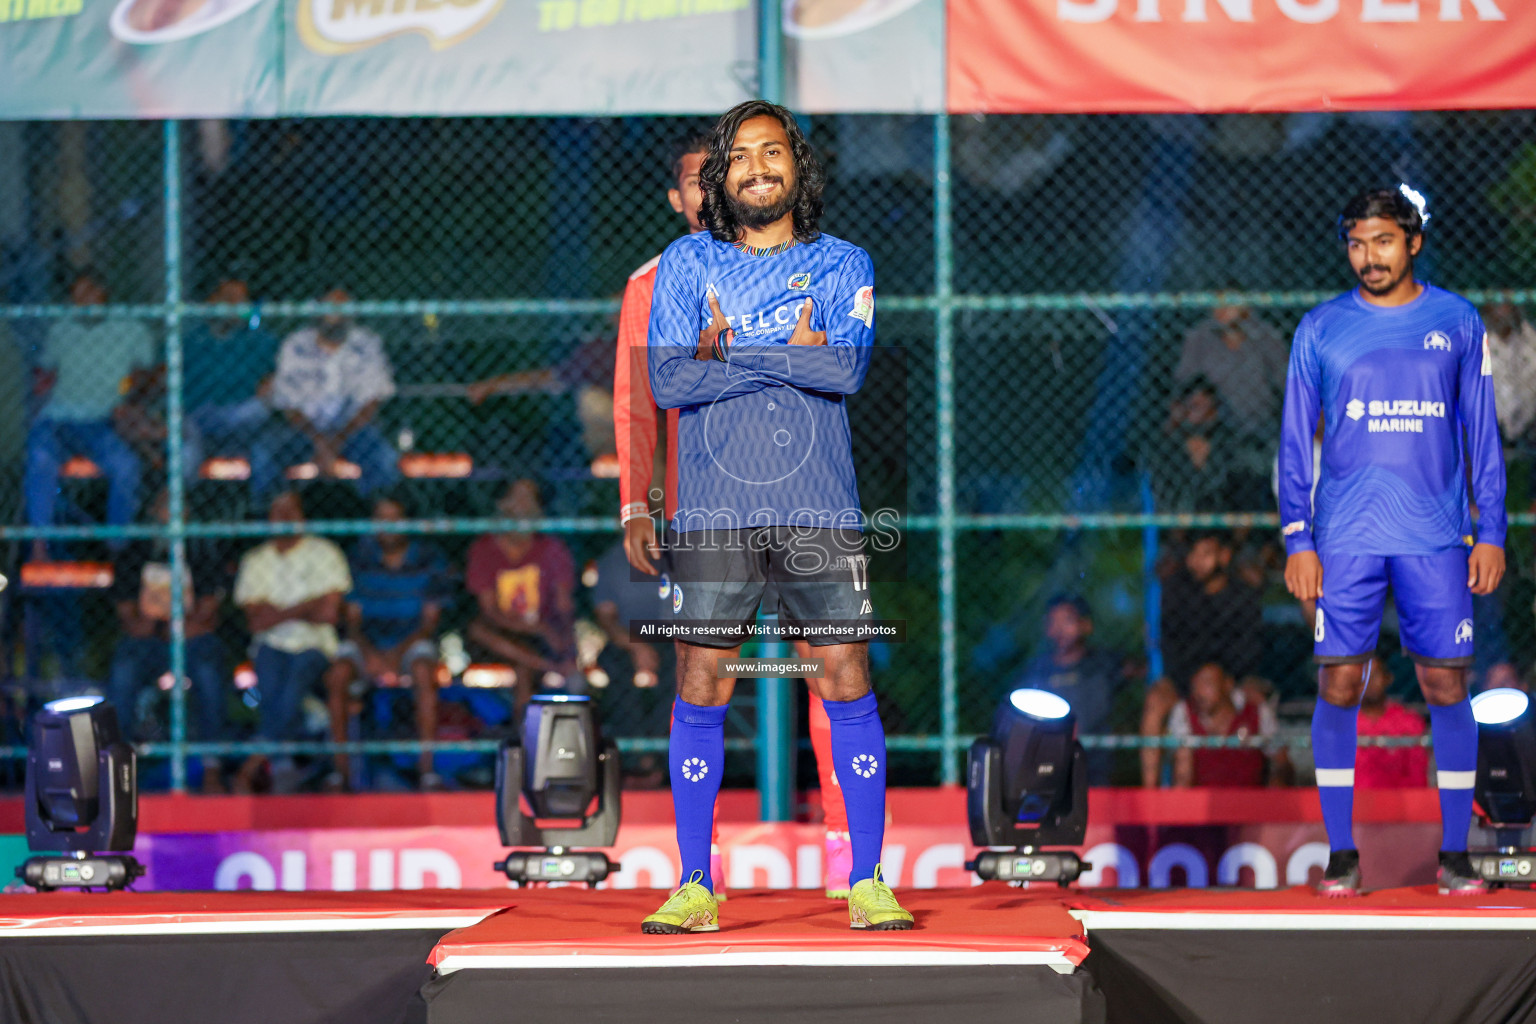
(1399, 370)
(760, 328)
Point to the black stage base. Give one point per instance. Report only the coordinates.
(324, 978)
(1315, 977)
(225, 957)
(1289, 956)
(766, 995)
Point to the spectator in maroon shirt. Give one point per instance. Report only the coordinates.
(1216, 707)
(1388, 767)
(525, 584)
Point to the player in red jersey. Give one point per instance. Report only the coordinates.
(636, 433)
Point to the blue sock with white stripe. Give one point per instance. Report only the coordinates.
(858, 752)
(1333, 752)
(1455, 734)
(697, 756)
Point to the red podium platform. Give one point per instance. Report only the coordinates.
(992, 952)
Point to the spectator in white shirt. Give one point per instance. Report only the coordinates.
(1512, 345)
(331, 379)
(291, 589)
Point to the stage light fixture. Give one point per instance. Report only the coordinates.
(1505, 787)
(81, 799)
(1026, 789)
(560, 766)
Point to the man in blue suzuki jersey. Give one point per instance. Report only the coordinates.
(1400, 372)
(760, 329)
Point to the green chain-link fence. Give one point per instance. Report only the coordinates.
(1088, 320)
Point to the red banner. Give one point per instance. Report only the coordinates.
(1180, 56)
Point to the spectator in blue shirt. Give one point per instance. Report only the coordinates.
(80, 379)
(1084, 675)
(228, 367)
(399, 587)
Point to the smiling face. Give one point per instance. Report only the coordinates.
(760, 183)
(1381, 255)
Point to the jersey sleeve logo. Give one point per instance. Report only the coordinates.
(864, 306)
(1487, 357)
(1438, 341)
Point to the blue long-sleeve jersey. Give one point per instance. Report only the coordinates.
(1397, 387)
(763, 439)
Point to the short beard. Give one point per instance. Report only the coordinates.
(1391, 284)
(756, 217)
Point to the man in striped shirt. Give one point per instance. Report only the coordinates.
(636, 433)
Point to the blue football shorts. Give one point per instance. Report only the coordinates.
(1434, 607)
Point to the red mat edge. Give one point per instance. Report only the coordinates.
(714, 943)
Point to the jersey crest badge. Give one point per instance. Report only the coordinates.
(864, 306)
(1438, 341)
(677, 599)
(800, 280)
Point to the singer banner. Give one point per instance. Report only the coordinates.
(1179, 56)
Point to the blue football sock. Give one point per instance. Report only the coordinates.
(858, 752)
(697, 756)
(1333, 752)
(1455, 734)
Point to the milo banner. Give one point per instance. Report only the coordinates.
(265, 58)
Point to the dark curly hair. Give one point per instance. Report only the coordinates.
(1388, 204)
(809, 178)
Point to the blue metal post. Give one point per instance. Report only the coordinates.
(175, 455)
(944, 386)
(770, 50)
(775, 737)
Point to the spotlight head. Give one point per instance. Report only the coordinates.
(81, 788)
(1505, 787)
(1027, 783)
(560, 766)
(563, 741)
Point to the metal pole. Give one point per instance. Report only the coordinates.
(770, 50)
(174, 456)
(775, 739)
(944, 372)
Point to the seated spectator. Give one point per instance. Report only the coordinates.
(525, 584)
(586, 373)
(399, 587)
(290, 589)
(80, 379)
(229, 365)
(1215, 707)
(141, 595)
(1196, 460)
(1084, 675)
(1208, 614)
(1380, 715)
(640, 675)
(331, 380)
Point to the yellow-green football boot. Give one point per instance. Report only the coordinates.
(873, 906)
(692, 908)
